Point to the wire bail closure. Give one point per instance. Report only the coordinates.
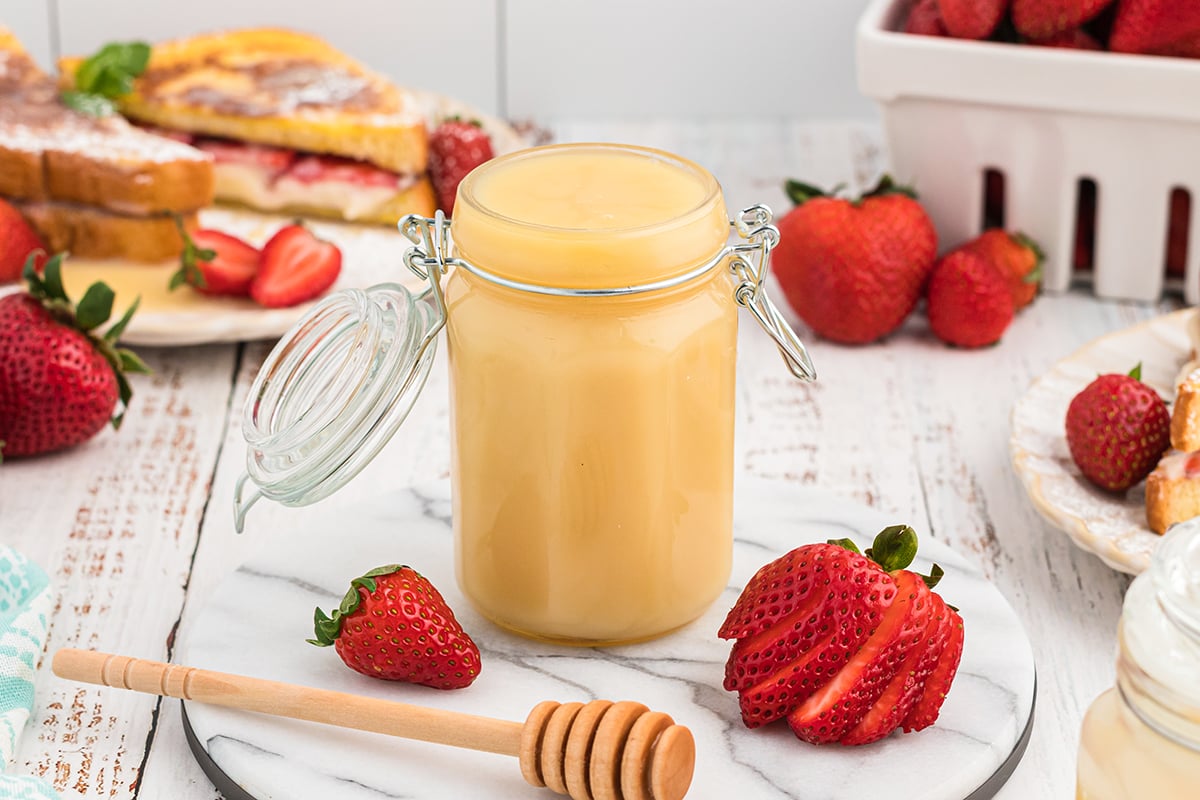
(754, 225)
(749, 262)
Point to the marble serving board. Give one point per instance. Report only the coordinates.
(260, 617)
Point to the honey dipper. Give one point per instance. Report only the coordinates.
(590, 751)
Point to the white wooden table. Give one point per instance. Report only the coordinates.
(135, 527)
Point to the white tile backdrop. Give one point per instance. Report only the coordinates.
(531, 58)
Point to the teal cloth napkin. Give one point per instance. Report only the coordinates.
(24, 614)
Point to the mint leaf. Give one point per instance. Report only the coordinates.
(107, 75)
(90, 104)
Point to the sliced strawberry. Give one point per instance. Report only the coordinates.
(796, 680)
(226, 151)
(296, 266)
(926, 707)
(840, 704)
(319, 169)
(852, 602)
(216, 263)
(794, 583)
(17, 241)
(901, 694)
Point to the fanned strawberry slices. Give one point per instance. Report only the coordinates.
(848, 647)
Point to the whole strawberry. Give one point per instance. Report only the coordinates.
(17, 241)
(970, 304)
(60, 382)
(925, 19)
(972, 19)
(393, 624)
(1015, 256)
(1168, 27)
(854, 269)
(1117, 430)
(455, 148)
(848, 647)
(1042, 19)
(1074, 39)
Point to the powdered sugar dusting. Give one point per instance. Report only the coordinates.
(33, 120)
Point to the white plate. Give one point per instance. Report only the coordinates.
(1110, 525)
(370, 254)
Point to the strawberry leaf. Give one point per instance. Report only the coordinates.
(934, 577)
(37, 287)
(189, 268)
(894, 548)
(846, 544)
(96, 306)
(887, 185)
(132, 362)
(800, 193)
(52, 280)
(126, 392)
(1136, 372)
(117, 328)
(327, 627)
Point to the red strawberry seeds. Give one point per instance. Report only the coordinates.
(216, 263)
(59, 381)
(970, 303)
(17, 241)
(393, 624)
(296, 266)
(455, 148)
(1117, 430)
(841, 644)
(854, 269)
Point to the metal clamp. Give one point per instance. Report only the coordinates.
(750, 262)
(431, 263)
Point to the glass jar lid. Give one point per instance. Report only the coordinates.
(589, 216)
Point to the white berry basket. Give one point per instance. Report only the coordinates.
(1045, 119)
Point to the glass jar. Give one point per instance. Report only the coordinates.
(1141, 739)
(590, 304)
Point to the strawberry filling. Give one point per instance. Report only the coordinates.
(314, 169)
(280, 163)
(224, 151)
(1191, 467)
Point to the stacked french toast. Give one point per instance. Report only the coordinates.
(97, 186)
(1173, 488)
(273, 120)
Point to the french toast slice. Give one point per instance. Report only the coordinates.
(1185, 414)
(50, 153)
(277, 87)
(90, 232)
(1173, 490)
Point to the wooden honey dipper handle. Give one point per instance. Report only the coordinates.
(597, 751)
